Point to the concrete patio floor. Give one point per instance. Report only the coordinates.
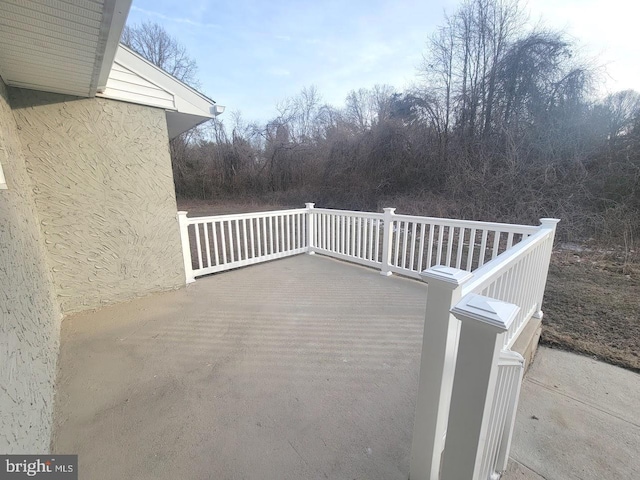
(301, 368)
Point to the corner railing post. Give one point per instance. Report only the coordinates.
(186, 247)
(550, 225)
(310, 230)
(437, 364)
(387, 241)
(484, 322)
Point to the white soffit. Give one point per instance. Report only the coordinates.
(61, 46)
(134, 79)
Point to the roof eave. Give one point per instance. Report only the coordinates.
(114, 20)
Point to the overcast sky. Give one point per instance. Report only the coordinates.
(253, 53)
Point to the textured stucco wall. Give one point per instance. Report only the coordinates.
(29, 316)
(105, 196)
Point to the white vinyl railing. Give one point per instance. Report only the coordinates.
(518, 276)
(495, 450)
(407, 244)
(393, 243)
(469, 377)
(218, 243)
(352, 236)
(422, 242)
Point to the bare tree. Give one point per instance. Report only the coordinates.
(154, 43)
(623, 109)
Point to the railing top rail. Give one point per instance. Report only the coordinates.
(504, 227)
(240, 216)
(352, 213)
(484, 275)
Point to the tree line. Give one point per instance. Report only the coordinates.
(502, 125)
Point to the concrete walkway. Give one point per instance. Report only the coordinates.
(577, 419)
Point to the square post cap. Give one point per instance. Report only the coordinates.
(453, 277)
(490, 311)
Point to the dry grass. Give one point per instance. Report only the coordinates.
(592, 306)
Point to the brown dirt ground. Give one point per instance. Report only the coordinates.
(592, 306)
(592, 299)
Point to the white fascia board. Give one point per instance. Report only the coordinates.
(186, 99)
(114, 18)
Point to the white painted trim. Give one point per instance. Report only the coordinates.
(186, 99)
(114, 18)
(192, 107)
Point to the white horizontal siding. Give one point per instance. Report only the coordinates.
(123, 84)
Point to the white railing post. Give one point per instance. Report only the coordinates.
(310, 221)
(186, 247)
(437, 364)
(507, 357)
(387, 241)
(483, 324)
(546, 224)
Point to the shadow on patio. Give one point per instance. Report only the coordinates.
(302, 368)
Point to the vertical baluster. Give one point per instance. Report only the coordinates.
(413, 244)
(483, 248)
(239, 250)
(206, 243)
(440, 240)
(277, 228)
(461, 232)
(280, 234)
(231, 247)
(509, 240)
(421, 247)
(347, 238)
(298, 232)
(522, 286)
(396, 227)
(472, 244)
(353, 236)
(450, 234)
(244, 240)
(358, 235)
(252, 238)
(496, 243)
(271, 234)
(365, 238)
(347, 235)
(223, 242)
(259, 231)
(325, 231)
(377, 240)
(214, 231)
(332, 236)
(405, 241)
(198, 246)
(370, 223)
(432, 229)
(288, 217)
(328, 232)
